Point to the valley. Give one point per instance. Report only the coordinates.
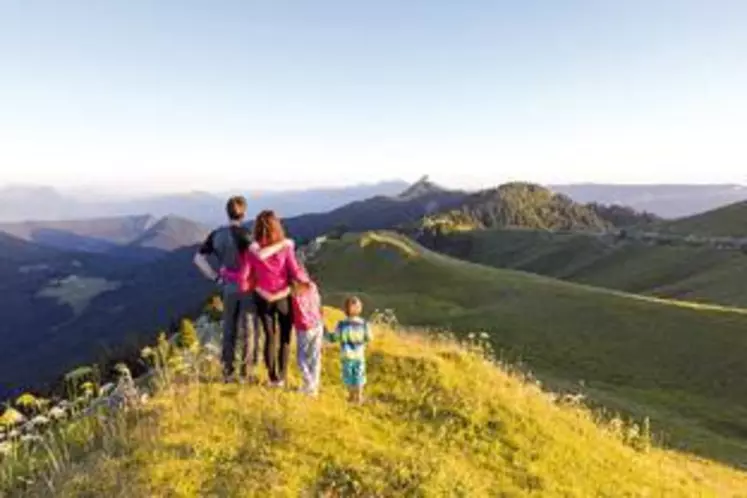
(65, 303)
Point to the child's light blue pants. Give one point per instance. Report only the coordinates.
(309, 354)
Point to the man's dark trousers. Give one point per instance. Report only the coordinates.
(239, 329)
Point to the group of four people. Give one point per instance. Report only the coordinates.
(264, 286)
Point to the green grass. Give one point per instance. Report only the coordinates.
(439, 421)
(682, 365)
(728, 221)
(701, 274)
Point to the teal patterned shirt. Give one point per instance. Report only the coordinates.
(353, 334)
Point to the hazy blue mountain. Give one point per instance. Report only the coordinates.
(667, 201)
(140, 238)
(21, 203)
(171, 233)
(44, 203)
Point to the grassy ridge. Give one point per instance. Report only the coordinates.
(440, 421)
(689, 273)
(727, 221)
(682, 365)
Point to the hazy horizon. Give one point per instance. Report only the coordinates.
(143, 97)
(111, 192)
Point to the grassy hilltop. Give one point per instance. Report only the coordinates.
(440, 421)
(682, 364)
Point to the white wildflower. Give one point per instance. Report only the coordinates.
(57, 413)
(31, 438)
(39, 421)
(212, 349)
(574, 399)
(107, 389)
(6, 448)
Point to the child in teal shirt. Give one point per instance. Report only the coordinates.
(353, 333)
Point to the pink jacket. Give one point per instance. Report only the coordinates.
(268, 270)
(307, 309)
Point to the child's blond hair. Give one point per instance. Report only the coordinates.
(353, 306)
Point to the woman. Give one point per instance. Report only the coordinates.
(272, 265)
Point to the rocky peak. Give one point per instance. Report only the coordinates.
(424, 186)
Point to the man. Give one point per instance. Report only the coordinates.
(225, 244)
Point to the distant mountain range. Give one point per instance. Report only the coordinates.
(37, 203)
(45, 203)
(667, 201)
(128, 237)
(417, 200)
(522, 205)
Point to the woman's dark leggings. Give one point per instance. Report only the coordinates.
(276, 318)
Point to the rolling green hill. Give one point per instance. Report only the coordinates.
(727, 221)
(703, 273)
(682, 364)
(439, 421)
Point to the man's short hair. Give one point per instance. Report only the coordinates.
(236, 208)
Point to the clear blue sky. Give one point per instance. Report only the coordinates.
(180, 95)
